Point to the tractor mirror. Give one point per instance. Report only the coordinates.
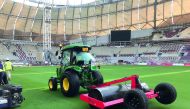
(56, 53)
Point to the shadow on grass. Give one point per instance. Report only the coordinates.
(41, 96)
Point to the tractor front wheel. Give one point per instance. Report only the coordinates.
(70, 84)
(52, 84)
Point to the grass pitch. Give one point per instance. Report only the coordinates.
(35, 89)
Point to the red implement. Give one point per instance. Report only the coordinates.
(100, 104)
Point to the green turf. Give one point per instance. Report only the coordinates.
(34, 81)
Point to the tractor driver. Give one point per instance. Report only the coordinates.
(74, 59)
(77, 59)
(81, 58)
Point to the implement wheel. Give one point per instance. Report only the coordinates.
(166, 93)
(135, 99)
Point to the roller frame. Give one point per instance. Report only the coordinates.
(100, 104)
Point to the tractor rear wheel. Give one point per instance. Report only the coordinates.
(97, 77)
(52, 84)
(135, 99)
(70, 84)
(166, 93)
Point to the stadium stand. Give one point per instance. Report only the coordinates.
(185, 54)
(168, 53)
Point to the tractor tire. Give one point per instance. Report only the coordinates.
(70, 84)
(135, 99)
(166, 93)
(52, 84)
(97, 76)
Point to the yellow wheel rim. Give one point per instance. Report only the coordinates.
(50, 84)
(66, 84)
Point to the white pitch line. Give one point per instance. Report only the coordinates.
(128, 68)
(29, 89)
(32, 73)
(140, 67)
(162, 74)
(145, 76)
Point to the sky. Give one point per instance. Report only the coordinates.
(59, 2)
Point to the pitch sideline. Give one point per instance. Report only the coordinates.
(32, 74)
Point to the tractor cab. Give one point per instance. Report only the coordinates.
(78, 55)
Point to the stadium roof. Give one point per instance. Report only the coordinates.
(56, 2)
(20, 20)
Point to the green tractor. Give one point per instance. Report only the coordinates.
(77, 69)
